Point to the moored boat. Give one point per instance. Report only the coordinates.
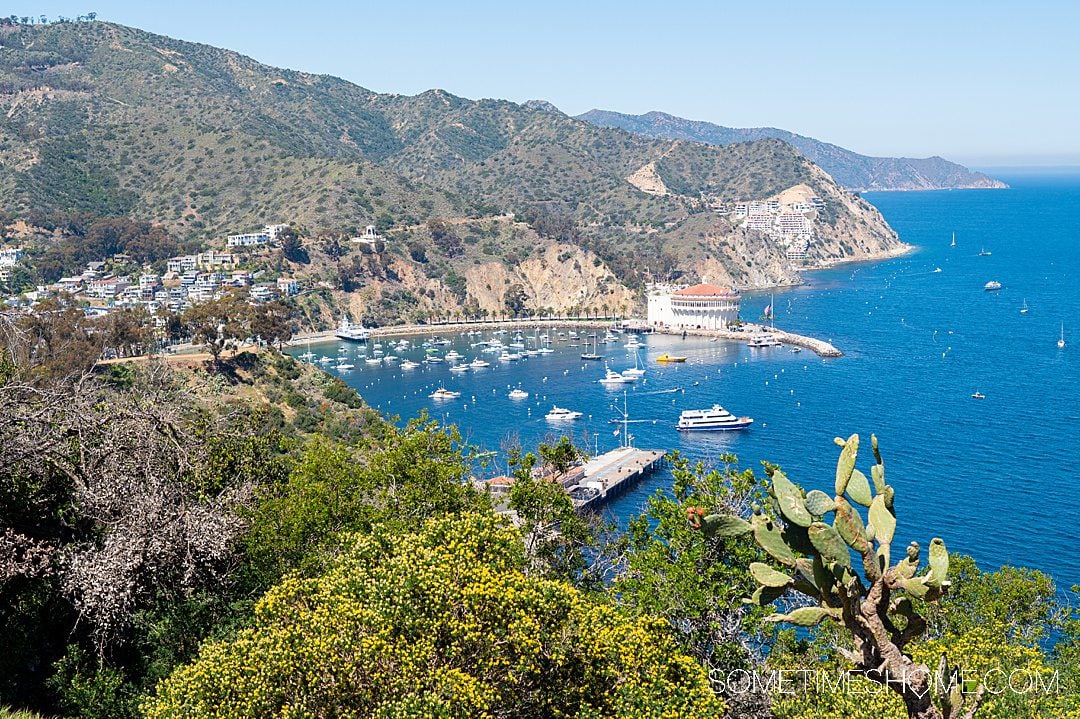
(518, 393)
(443, 393)
(559, 414)
(670, 358)
(714, 419)
(992, 285)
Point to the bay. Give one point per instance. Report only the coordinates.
(996, 478)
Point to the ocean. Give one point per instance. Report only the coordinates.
(993, 477)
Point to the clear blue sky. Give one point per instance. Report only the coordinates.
(983, 82)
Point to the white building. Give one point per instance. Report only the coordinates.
(698, 307)
(288, 286)
(371, 237)
(250, 239)
(10, 256)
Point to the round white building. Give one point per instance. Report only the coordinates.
(699, 307)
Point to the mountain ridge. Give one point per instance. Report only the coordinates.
(854, 171)
(111, 120)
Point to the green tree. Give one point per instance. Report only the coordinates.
(439, 623)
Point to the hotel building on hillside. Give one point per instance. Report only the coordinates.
(699, 307)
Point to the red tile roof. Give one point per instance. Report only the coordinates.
(705, 291)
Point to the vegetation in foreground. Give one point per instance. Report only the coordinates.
(247, 538)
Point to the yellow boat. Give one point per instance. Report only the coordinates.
(670, 358)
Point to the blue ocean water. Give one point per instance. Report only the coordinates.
(996, 478)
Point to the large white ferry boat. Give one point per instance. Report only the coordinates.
(716, 419)
(352, 333)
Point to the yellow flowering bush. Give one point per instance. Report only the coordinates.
(441, 623)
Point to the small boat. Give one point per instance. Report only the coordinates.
(936, 270)
(670, 358)
(978, 395)
(587, 355)
(984, 253)
(1024, 307)
(1061, 341)
(458, 368)
(443, 393)
(479, 363)
(559, 414)
(518, 393)
(433, 359)
(452, 355)
(343, 366)
(325, 360)
(992, 285)
(796, 350)
(953, 244)
(612, 377)
(373, 360)
(715, 419)
(409, 364)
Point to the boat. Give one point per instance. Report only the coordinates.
(443, 393)
(953, 243)
(715, 419)
(559, 414)
(984, 253)
(479, 363)
(409, 364)
(796, 350)
(978, 395)
(351, 333)
(343, 366)
(373, 360)
(633, 343)
(670, 358)
(586, 355)
(452, 355)
(433, 359)
(518, 393)
(460, 368)
(325, 360)
(1061, 341)
(763, 341)
(611, 377)
(1024, 307)
(992, 285)
(636, 371)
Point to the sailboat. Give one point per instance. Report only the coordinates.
(637, 370)
(953, 244)
(984, 253)
(1024, 308)
(586, 355)
(1061, 341)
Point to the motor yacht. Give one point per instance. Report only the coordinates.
(714, 419)
(559, 414)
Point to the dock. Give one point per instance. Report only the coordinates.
(611, 473)
(819, 347)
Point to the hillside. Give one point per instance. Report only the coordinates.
(852, 170)
(111, 120)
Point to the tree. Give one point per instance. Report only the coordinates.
(291, 247)
(696, 582)
(272, 322)
(437, 623)
(515, 299)
(816, 562)
(219, 324)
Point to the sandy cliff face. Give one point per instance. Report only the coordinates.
(563, 277)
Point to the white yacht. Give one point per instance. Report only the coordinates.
(632, 343)
(409, 364)
(458, 368)
(992, 285)
(433, 359)
(716, 419)
(611, 377)
(479, 363)
(452, 355)
(559, 414)
(518, 393)
(374, 360)
(763, 341)
(352, 333)
(443, 393)
(343, 366)
(1061, 340)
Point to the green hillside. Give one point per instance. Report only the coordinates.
(111, 120)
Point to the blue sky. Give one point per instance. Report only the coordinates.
(987, 83)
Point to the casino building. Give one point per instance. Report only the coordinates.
(699, 307)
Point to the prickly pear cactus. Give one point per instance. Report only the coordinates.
(812, 538)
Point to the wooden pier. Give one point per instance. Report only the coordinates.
(610, 474)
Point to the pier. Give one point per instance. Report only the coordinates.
(748, 331)
(609, 474)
